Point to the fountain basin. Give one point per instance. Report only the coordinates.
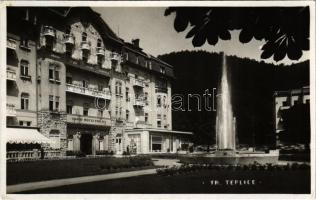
(231, 157)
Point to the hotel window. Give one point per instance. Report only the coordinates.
(57, 103)
(116, 111)
(118, 88)
(53, 73)
(84, 37)
(146, 98)
(100, 60)
(84, 83)
(85, 111)
(100, 87)
(68, 51)
(146, 117)
(164, 117)
(158, 101)
(24, 43)
(99, 43)
(24, 65)
(100, 113)
(162, 70)
(156, 143)
(54, 136)
(127, 115)
(159, 123)
(127, 94)
(68, 79)
(69, 109)
(284, 103)
(137, 60)
(149, 64)
(28, 123)
(24, 101)
(85, 55)
(164, 102)
(51, 102)
(21, 123)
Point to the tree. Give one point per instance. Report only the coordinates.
(285, 30)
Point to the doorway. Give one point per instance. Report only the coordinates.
(118, 144)
(86, 144)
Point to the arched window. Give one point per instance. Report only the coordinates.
(118, 88)
(158, 101)
(99, 43)
(84, 37)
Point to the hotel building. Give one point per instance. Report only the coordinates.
(284, 100)
(72, 80)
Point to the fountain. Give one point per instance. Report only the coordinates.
(226, 152)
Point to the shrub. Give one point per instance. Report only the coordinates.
(103, 152)
(75, 153)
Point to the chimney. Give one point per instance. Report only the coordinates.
(136, 42)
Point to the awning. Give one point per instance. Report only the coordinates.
(25, 136)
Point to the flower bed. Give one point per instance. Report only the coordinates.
(189, 168)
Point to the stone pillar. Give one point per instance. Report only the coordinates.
(95, 143)
(106, 142)
(76, 141)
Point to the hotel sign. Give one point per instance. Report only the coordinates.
(98, 121)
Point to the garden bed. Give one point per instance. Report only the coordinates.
(30, 171)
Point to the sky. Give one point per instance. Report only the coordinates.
(158, 36)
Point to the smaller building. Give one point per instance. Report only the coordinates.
(144, 141)
(284, 100)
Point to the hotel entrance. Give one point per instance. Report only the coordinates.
(86, 144)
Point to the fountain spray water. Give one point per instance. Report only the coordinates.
(225, 122)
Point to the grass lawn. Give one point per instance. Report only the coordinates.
(291, 182)
(30, 171)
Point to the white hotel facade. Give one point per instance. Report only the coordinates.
(72, 81)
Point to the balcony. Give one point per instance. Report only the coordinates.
(88, 120)
(115, 56)
(85, 46)
(100, 51)
(11, 44)
(69, 39)
(11, 75)
(49, 31)
(105, 94)
(11, 110)
(139, 102)
(138, 83)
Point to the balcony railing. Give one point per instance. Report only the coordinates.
(85, 46)
(88, 91)
(11, 44)
(49, 31)
(11, 75)
(31, 155)
(100, 51)
(69, 39)
(139, 102)
(115, 56)
(11, 110)
(138, 83)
